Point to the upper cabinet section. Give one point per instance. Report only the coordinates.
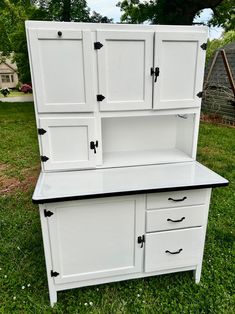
(78, 67)
(179, 67)
(124, 63)
(61, 66)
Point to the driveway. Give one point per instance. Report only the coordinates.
(26, 98)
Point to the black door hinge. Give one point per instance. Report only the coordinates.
(94, 145)
(97, 45)
(54, 273)
(48, 213)
(100, 97)
(141, 240)
(155, 72)
(41, 131)
(44, 158)
(204, 46)
(200, 94)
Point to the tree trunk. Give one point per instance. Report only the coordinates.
(66, 13)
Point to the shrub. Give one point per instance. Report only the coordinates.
(5, 91)
(26, 88)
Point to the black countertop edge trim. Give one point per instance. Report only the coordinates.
(122, 193)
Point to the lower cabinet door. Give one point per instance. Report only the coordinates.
(173, 249)
(96, 238)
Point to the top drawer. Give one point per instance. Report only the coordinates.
(176, 198)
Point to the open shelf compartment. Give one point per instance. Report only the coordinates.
(145, 140)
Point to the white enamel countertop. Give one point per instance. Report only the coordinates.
(61, 186)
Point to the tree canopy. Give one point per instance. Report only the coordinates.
(176, 12)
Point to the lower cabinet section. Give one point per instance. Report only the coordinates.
(108, 239)
(96, 238)
(173, 249)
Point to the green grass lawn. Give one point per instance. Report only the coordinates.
(23, 283)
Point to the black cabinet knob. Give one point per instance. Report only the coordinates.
(59, 33)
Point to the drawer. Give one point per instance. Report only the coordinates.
(175, 218)
(176, 198)
(173, 249)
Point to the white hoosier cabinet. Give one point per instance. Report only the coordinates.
(121, 194)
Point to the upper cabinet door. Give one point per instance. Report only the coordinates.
(67, 143)
(124, 64)
(179, 59)
(62, 70)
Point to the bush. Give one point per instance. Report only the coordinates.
(5, 91)
(26, 88)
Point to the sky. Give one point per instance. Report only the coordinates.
(108, 8)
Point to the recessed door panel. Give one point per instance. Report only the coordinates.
(180, 60)
(62, 70)
(96, 239)
(67, 143)
(124, 64)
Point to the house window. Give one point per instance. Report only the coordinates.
(12, 78)
(5, 78)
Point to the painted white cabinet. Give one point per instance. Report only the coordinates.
(68, 143)
(117, 110)
(96, 238)
(62, 71)
(124, 64)
(179, 60)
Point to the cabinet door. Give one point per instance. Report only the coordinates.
(62, 70)
(67, 143)
(124, 64)
(180, 61)
(96, 238)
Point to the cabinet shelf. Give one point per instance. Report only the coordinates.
(136, 158)
(129, 141)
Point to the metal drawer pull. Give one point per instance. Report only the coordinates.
(177, 252)
(179, 220)
(177, 200)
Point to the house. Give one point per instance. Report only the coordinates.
(8, 74)
(219, 86)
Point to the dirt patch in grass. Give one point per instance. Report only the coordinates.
(11, 184)
(210, 151)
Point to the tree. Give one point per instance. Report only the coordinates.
(215, 44)
(65, 10)
(98, 18)
(224, 15)
(171, 12)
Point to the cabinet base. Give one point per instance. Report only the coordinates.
(53, 289)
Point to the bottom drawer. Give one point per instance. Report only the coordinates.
(173, 249)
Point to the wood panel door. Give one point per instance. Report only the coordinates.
(124, 64)
(179, 59)
(66, 143)
(61, 63)
(96, 238)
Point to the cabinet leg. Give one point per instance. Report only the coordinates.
(53, 296)
(197, 274)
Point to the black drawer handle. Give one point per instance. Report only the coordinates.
(179, 220)
(176, 252)
(177, 200)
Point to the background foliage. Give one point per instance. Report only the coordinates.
(13, 14)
